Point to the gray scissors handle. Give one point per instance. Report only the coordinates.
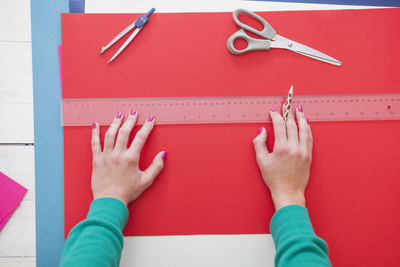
(267, 32)
(252, 43)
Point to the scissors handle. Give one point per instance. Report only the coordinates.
(252, 43)
(267, 32)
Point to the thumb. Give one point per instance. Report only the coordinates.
(259, 144)
(154, 169)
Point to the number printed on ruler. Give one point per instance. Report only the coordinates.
(244, 109)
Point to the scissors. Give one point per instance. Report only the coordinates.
(139, 23)
(271, 40)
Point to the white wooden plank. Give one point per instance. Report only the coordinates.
(15, 20)
(16, 94)
(17, 238)
(16, 56)
(18, 262)
(199, 251)
(17, 162)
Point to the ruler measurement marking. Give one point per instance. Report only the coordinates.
(189, 110)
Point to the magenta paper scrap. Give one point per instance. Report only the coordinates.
(11, 194)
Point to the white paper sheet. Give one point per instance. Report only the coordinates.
(142, 6)
(199, 251)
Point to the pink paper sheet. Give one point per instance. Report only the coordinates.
(60, 65)
(11, 194)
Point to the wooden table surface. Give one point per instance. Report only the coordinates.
(17, 239)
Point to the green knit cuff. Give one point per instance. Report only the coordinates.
(290, 220)
(110, 209)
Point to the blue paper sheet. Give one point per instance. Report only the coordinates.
(391, 3)
(46, 35)
(77, 6)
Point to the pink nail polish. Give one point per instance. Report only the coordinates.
(260, 130)
(300, 108)
(133, 112)
(150, 118)
(119, 115)
(94, 125)
(274, 110)
(164, 155)
(308, 121)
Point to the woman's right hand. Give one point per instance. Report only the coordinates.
(287, 169)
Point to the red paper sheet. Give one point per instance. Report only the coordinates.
(211, 183)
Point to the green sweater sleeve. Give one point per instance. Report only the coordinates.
(295, 241)
(97, 241)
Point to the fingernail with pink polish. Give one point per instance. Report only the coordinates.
(164, 155)
(94, 125)
(274, 110)
(308, 121)
(119, 115)
(133, 112)
(150, 118)
(260, 130)
(300, 108)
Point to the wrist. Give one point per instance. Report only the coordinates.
(284, 199)
(97, 196)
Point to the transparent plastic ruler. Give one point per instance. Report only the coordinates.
(239, 109)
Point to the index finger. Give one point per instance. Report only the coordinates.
(279, 127)
(304, 130)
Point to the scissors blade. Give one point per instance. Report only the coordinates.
(282, 42)
(119, 36)
(135, 32)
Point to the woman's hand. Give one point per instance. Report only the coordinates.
(286, 170)
(116, 170)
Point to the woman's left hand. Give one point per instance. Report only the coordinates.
(116, 170)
